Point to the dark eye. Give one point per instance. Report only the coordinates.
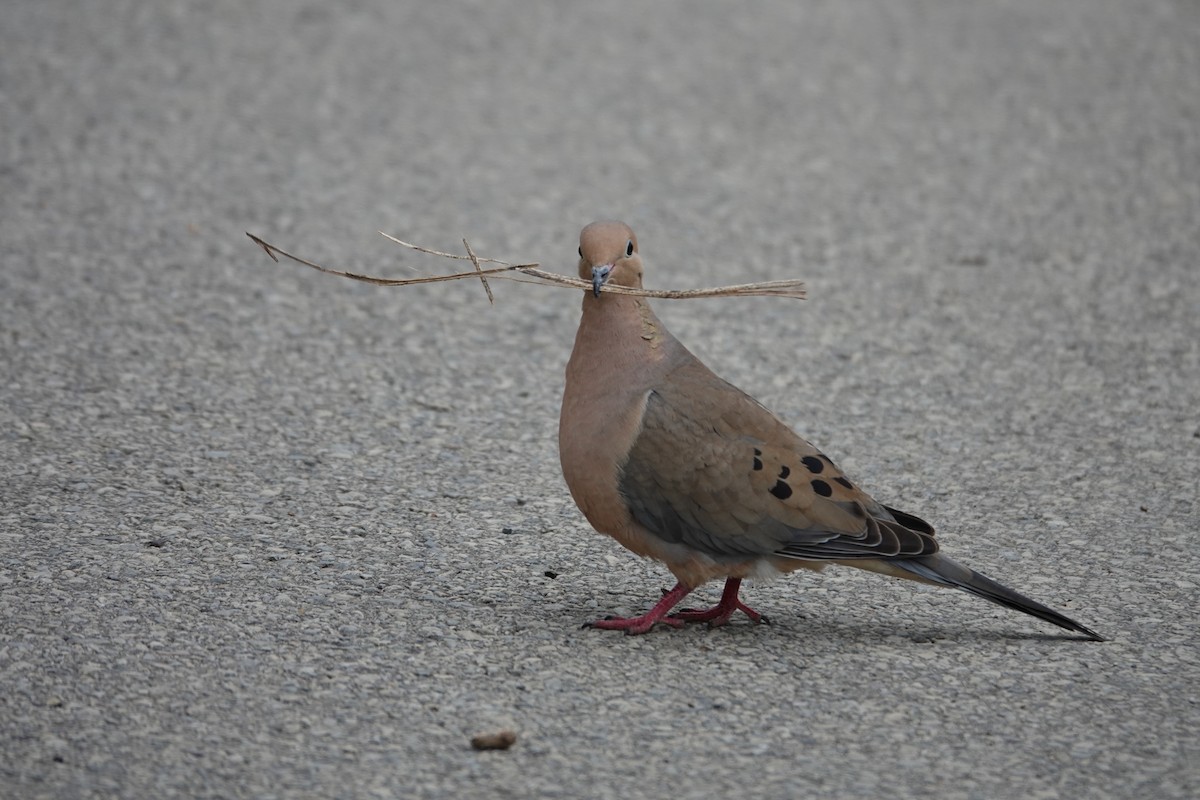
(581, 251)
(629, 249)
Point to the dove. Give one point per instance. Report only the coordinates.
(678, 465)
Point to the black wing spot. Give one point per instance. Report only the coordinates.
(844, 482)
(757, 463)
(781, 490)
(812, 464)
(822, 488)
(784, 471)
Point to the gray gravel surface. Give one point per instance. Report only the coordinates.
(268, 533)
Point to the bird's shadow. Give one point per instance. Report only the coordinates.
(812, 628)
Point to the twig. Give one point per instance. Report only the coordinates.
(420, 249)
(784, 288)
(482, 279)
(272, 250)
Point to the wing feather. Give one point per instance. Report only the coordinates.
(733, 482)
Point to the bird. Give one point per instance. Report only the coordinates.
(678, 465)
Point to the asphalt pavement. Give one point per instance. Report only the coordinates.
(270, 533)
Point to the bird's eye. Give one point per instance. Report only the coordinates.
(581, 251)
(629, 249)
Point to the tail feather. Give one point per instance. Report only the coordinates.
(947, 572)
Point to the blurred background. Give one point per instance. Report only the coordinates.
(264, 532)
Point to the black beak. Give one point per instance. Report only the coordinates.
(600, 277)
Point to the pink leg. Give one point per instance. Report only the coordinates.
(722, 611)
(635, 625)
(715, 616)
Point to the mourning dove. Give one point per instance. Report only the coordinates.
(677, 464)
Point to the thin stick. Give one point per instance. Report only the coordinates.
(785, 288)
(272, 250)
(482, 279)
(420, 249)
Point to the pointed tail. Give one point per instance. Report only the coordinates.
(939, 569)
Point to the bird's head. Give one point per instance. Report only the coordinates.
(608, 253)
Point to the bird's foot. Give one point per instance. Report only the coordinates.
(718, 615)
(723, 611)
(635, 625)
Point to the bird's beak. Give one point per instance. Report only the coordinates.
(600, 277)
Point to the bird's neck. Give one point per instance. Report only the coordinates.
(620, 343)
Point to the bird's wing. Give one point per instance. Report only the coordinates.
(713, 470)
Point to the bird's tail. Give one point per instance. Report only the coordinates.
(947, 572)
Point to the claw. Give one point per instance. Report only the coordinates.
(723, 611)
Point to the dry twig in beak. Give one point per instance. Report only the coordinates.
(522, 273)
